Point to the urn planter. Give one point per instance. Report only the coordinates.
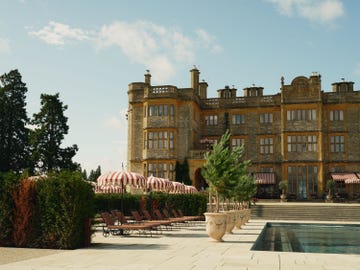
(215, 225)
(230, 221)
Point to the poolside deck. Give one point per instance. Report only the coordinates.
(182, 248)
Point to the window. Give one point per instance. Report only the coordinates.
(162, 170)
(302, 180)
(301, 115)
(160, 110)
(266, 169)
(211, 120)
(312, 143)
(266, 118)
(171, 140)
(238, 142)
(302, 143)
(159, 140)
(337, 144)
(238, 119)
(337, 115)
(266, 146)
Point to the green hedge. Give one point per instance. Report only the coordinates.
(8, 184)
(63, 204)
(190, 204)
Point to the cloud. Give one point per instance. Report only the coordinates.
(208, 40)
(321, 11)
(4, 46)
(58, 34)
(160, 49)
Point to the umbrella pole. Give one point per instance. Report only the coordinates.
(122, 198)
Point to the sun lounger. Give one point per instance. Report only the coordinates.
(164, 222)
(111, 228)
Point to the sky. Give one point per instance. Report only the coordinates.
(90, 50)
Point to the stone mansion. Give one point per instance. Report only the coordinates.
(302, 135)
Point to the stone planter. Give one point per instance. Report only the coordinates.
(329, 198)
(247, 215)
(240, 218)
(283, 198)
(215, 225)
(230, 221)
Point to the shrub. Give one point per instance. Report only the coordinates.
(23, 198)
(8, 184)
(64, 203)
(110, 201)
(191, 204)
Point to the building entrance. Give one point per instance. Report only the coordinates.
(302, 181)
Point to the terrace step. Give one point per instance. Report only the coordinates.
(306, 211)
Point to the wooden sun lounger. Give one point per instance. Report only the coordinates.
(159, 216)
(175, 219)
(164, 222)
(179, 213)
(140, 220)
(111, 228)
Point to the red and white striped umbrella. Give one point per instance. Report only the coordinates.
(109, 189)
(120, 178)
(190, 189)
(159, 184)
(178, 187)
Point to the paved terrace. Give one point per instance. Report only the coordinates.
(181, 248)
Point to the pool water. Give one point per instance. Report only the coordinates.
(312, 238)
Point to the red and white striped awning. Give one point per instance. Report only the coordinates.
(268, 178)
(339, 177)
(120, 178)
(353, 180)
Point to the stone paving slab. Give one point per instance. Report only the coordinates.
(184, 248)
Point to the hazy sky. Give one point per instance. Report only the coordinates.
(89, 51)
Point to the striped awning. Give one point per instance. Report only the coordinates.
(265, 178)
(353, 180)
(339, 177)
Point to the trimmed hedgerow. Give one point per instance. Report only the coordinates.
(191, 204)
(8, 184)
(110, 201)
(23, 213)
(64, 203)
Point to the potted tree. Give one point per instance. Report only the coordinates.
(221, 171)
(283, 186)
(244, 192)
(330, 185)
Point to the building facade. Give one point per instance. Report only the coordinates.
(302, 135)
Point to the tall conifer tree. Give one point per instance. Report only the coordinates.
(14, 135)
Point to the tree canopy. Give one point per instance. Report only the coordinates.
(223, 170)
(14, 135)
(50, 127)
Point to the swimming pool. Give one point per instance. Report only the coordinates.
(312, 238)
